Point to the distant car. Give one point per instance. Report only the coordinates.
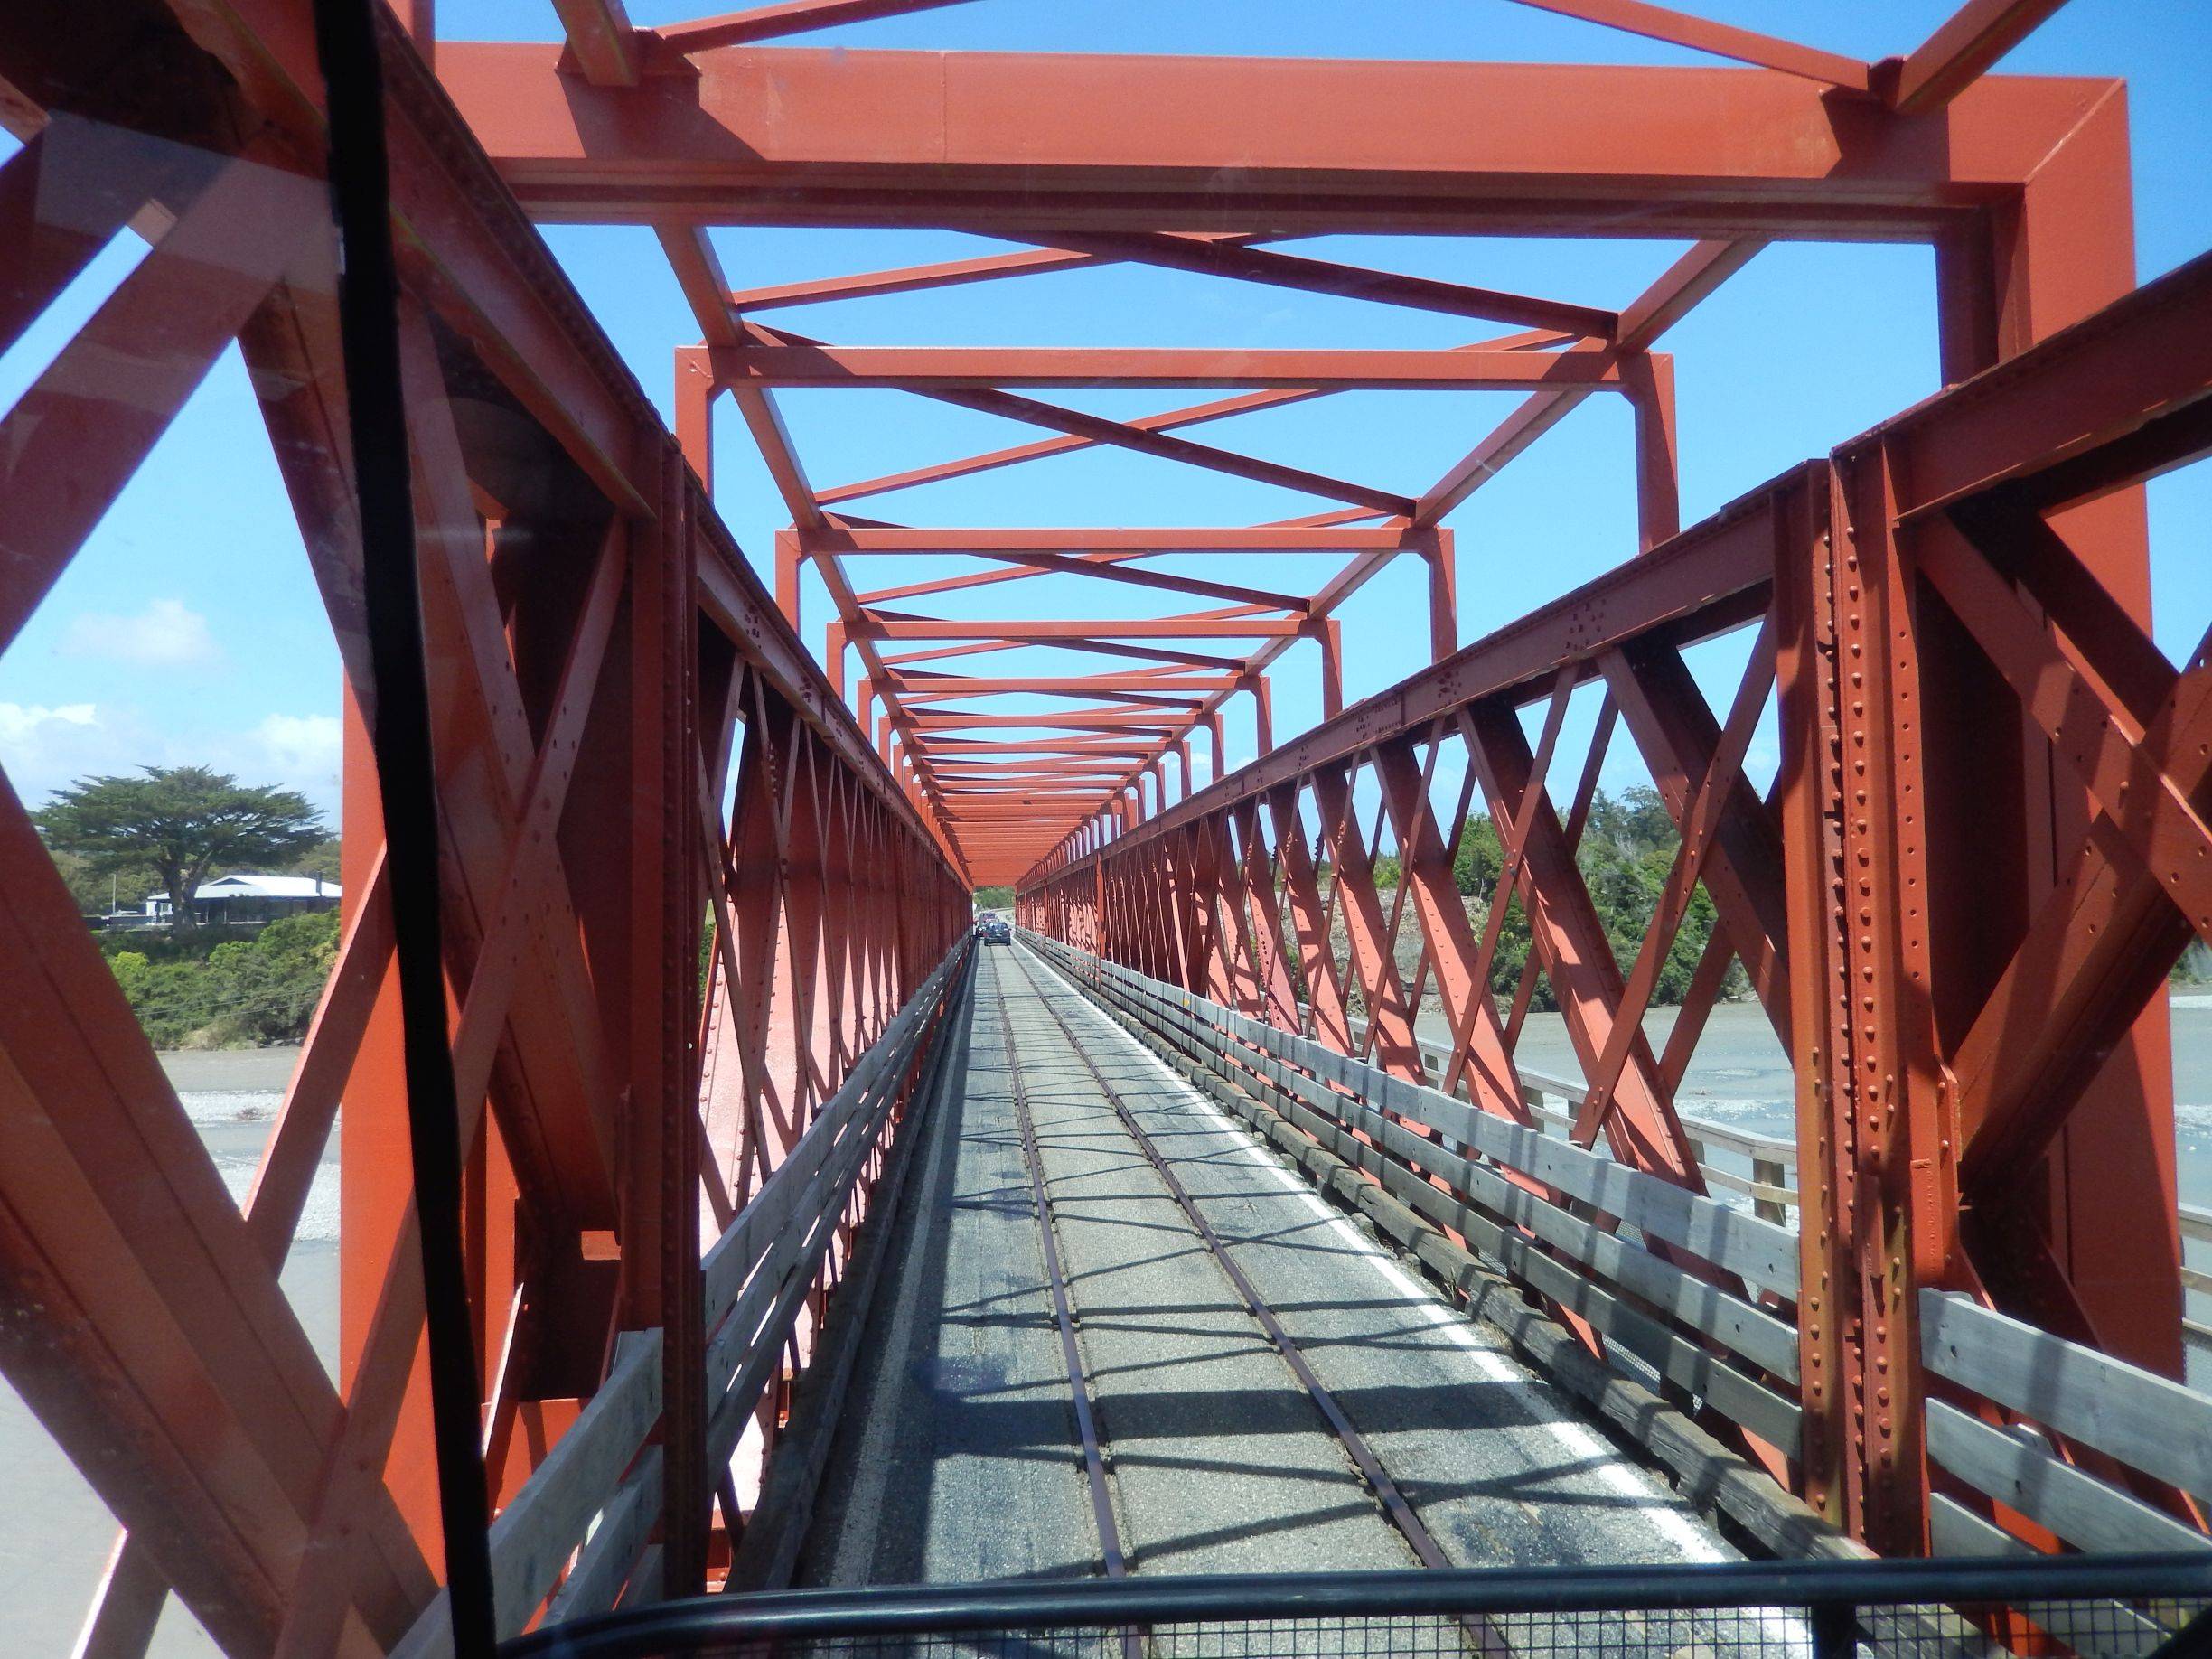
(995, 931)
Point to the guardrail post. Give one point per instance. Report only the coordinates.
(1834, 1625)
(1770, 1172)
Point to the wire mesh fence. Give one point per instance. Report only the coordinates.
(2128, 1607)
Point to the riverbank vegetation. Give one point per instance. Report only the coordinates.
(227, 987)
(1625, 855)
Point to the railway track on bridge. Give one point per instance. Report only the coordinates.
(1371, 1473)
(1778, 1630)
(1116, 1557)
(1057, 1387)
(1486, 1640)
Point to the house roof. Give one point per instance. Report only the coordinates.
(244, 884)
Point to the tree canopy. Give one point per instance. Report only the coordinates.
(180, 822)
(1626, 852)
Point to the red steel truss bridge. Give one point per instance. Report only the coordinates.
(721, 1211)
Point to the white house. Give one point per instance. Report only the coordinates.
(246, 897)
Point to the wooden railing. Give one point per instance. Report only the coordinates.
(1765, 1167)
(1695, 1274)
(1769, 1179)
(597, 1495)
(2086, 1427)
(2093, 1449)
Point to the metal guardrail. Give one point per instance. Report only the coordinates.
(1822, 1610)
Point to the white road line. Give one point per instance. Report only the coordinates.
(1669, 1521)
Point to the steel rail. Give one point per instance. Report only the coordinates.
(1492, 1643)
(1064, 1315)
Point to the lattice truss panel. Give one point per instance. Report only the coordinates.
(702, 915)
(1942, 1102)
(633, 755)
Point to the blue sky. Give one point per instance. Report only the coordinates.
(190, 630)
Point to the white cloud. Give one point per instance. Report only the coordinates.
(43, 749)
(304, 752)
(168, 633)
(20, 723)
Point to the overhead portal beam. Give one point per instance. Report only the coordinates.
(859, 543)
(936, 368)
(1004, 142)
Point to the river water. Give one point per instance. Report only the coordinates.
(55, 1532)
(1738, 1076)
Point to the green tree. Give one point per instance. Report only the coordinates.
(995, 899)
(98, 892)
(180, 821)
(238, 993)
(321, 860)
(1633, 821)
(1481, 857)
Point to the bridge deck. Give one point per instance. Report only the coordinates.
(962, 1459)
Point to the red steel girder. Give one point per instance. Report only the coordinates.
(1260, 539)
(1216, 258)
(940, 367)
(1106, 568)
(1217, 409)
(1680, 29)
(1303, 147)
(890, 626)
(1981, 857)
(764, 22)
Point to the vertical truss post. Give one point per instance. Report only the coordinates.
(1439, 550)
(2016, 277)
(1264, 709)
(1329, 635)
(695, 396)
(790, 554)
(1859, 965)
(1649, 378)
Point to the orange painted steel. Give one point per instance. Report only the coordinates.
(1955, 1111)
(601, 659)
(703, 897)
